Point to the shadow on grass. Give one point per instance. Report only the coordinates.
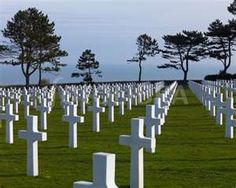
(12, 175)
(186, 105)
(124, 186)
(198, 160)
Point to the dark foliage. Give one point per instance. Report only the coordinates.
(221, 76)
(33, 34)
(232, 8)
(182, 48)
(221, 41)
(87, 65)
(146, 47)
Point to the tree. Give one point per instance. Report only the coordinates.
(221, 41)
(48, 44)
(7, 51)
(146, 47)
(33, 34)
(87, 65)
(183, 48)
(232, 8)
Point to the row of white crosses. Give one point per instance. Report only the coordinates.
(112, 95)
(103, 91)
(31, 135)
(155, 114)
(209, 93)
(104, 163)
(44, 104)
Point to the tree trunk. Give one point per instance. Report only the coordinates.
(140, 72)
(27, 80)
(40, 75)
(185, 75)
(225, 70)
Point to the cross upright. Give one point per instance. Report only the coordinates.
(159, 110)
(229, 116)
(44, 110)
(66, 104)
(32, 136)
(220, 109)
(26, 104)
(164, 102)
(16, 100)
(96, 109)
(130, 98)
(111, 103)
(83, 100)
(122, 99)
(9, 117)
(73, 119)
(103, 172)
(151, 122)
(213, 102)
(136, 141)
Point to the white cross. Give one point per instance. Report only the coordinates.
(122, 99)
(220, 109)
(83, 100)
(9, 117)
(26, 104)
(135, 96)
(73, 119)
(213, 103)
(151, 122)
(103, 172)
(111, 104)
(137, 142)
(44, 109)
(32, 135)
(66, 104)
(159, 110)
(230, 112)
(130, 98)
(96, 109)
(16, 99)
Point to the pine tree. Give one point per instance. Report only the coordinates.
(87, 65)
(146, 47)
(232, 8)
(33, 34)
(183, 48)
(221, 41)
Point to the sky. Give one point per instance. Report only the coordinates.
(110, 29)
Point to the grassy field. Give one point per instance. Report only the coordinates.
(191, 152)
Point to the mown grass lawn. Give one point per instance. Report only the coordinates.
(191, 152)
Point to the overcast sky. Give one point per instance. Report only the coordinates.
(110, 29)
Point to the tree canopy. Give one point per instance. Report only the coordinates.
(146, 46)
(87, 65)
(232, 8)
(182, 48)
(221, 41)
(32, 32)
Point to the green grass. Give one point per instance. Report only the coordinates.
(191, 152)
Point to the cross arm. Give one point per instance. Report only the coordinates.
(125, 140)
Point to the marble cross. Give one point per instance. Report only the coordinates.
(73, 119)
(32, 136)
(26, 104)
(111, 103)
(151, 122)
(96, 109)
(9, 117)
(136, 141)
(122, 99)
(44, 110)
